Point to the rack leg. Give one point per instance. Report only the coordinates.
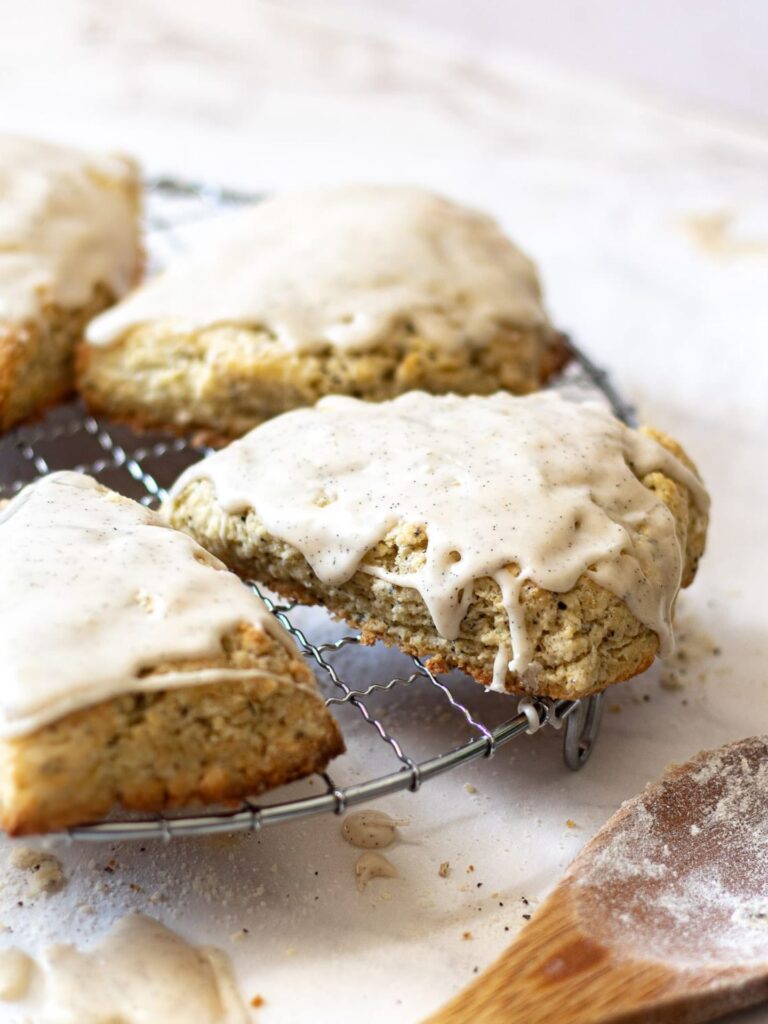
(581, 730)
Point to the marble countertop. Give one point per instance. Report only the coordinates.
(650, 226)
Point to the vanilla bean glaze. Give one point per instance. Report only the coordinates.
(342, 266)
(67, 224)
(95, 592)
(140, 972)
(515, 489)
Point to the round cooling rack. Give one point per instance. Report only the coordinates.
(142, 466)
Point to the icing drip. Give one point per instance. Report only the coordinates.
(514, 489)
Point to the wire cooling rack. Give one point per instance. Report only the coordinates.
(142, 466)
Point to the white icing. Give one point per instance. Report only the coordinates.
(538, 482)
(369, 829)
(140, 972)
(15, 972)
(341, 266)
(94, 588)
(67, 223)
(373, 865)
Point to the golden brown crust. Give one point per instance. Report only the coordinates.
(557, 354)
(97, 406)
(438, 663)
(37, 358)
(37, 355)
(582, 641)
(156, 750)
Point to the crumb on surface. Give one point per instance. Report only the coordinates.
(470, 788)
(466, 935)
(46, 874)
(444, 870)
(570, 823)
(470, 868)
(257, 1001)
(670, 680)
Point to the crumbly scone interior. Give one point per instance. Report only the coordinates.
(228, 379)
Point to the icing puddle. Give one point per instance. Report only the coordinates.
(140, 971)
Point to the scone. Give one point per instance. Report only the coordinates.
(365, 291)
(535, 543)
(69, 246)
(136, 669)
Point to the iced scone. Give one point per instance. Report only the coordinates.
(137, 670)
(69, 247)
(535, 543)
(367, 291)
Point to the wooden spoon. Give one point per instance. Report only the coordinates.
(662, 917)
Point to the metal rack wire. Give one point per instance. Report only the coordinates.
(142, 466)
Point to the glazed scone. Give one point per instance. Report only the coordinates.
(136, 669)
(535, 543)
(363, 290)
(69, 247)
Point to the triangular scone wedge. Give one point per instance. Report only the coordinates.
(137, 670)
(361, 290)
(535, 543)
(69, 247)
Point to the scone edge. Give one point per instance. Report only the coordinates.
(171, 748)
(28, 388)
(251, 379)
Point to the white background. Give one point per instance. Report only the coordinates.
(705, 52)
(648, 215)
